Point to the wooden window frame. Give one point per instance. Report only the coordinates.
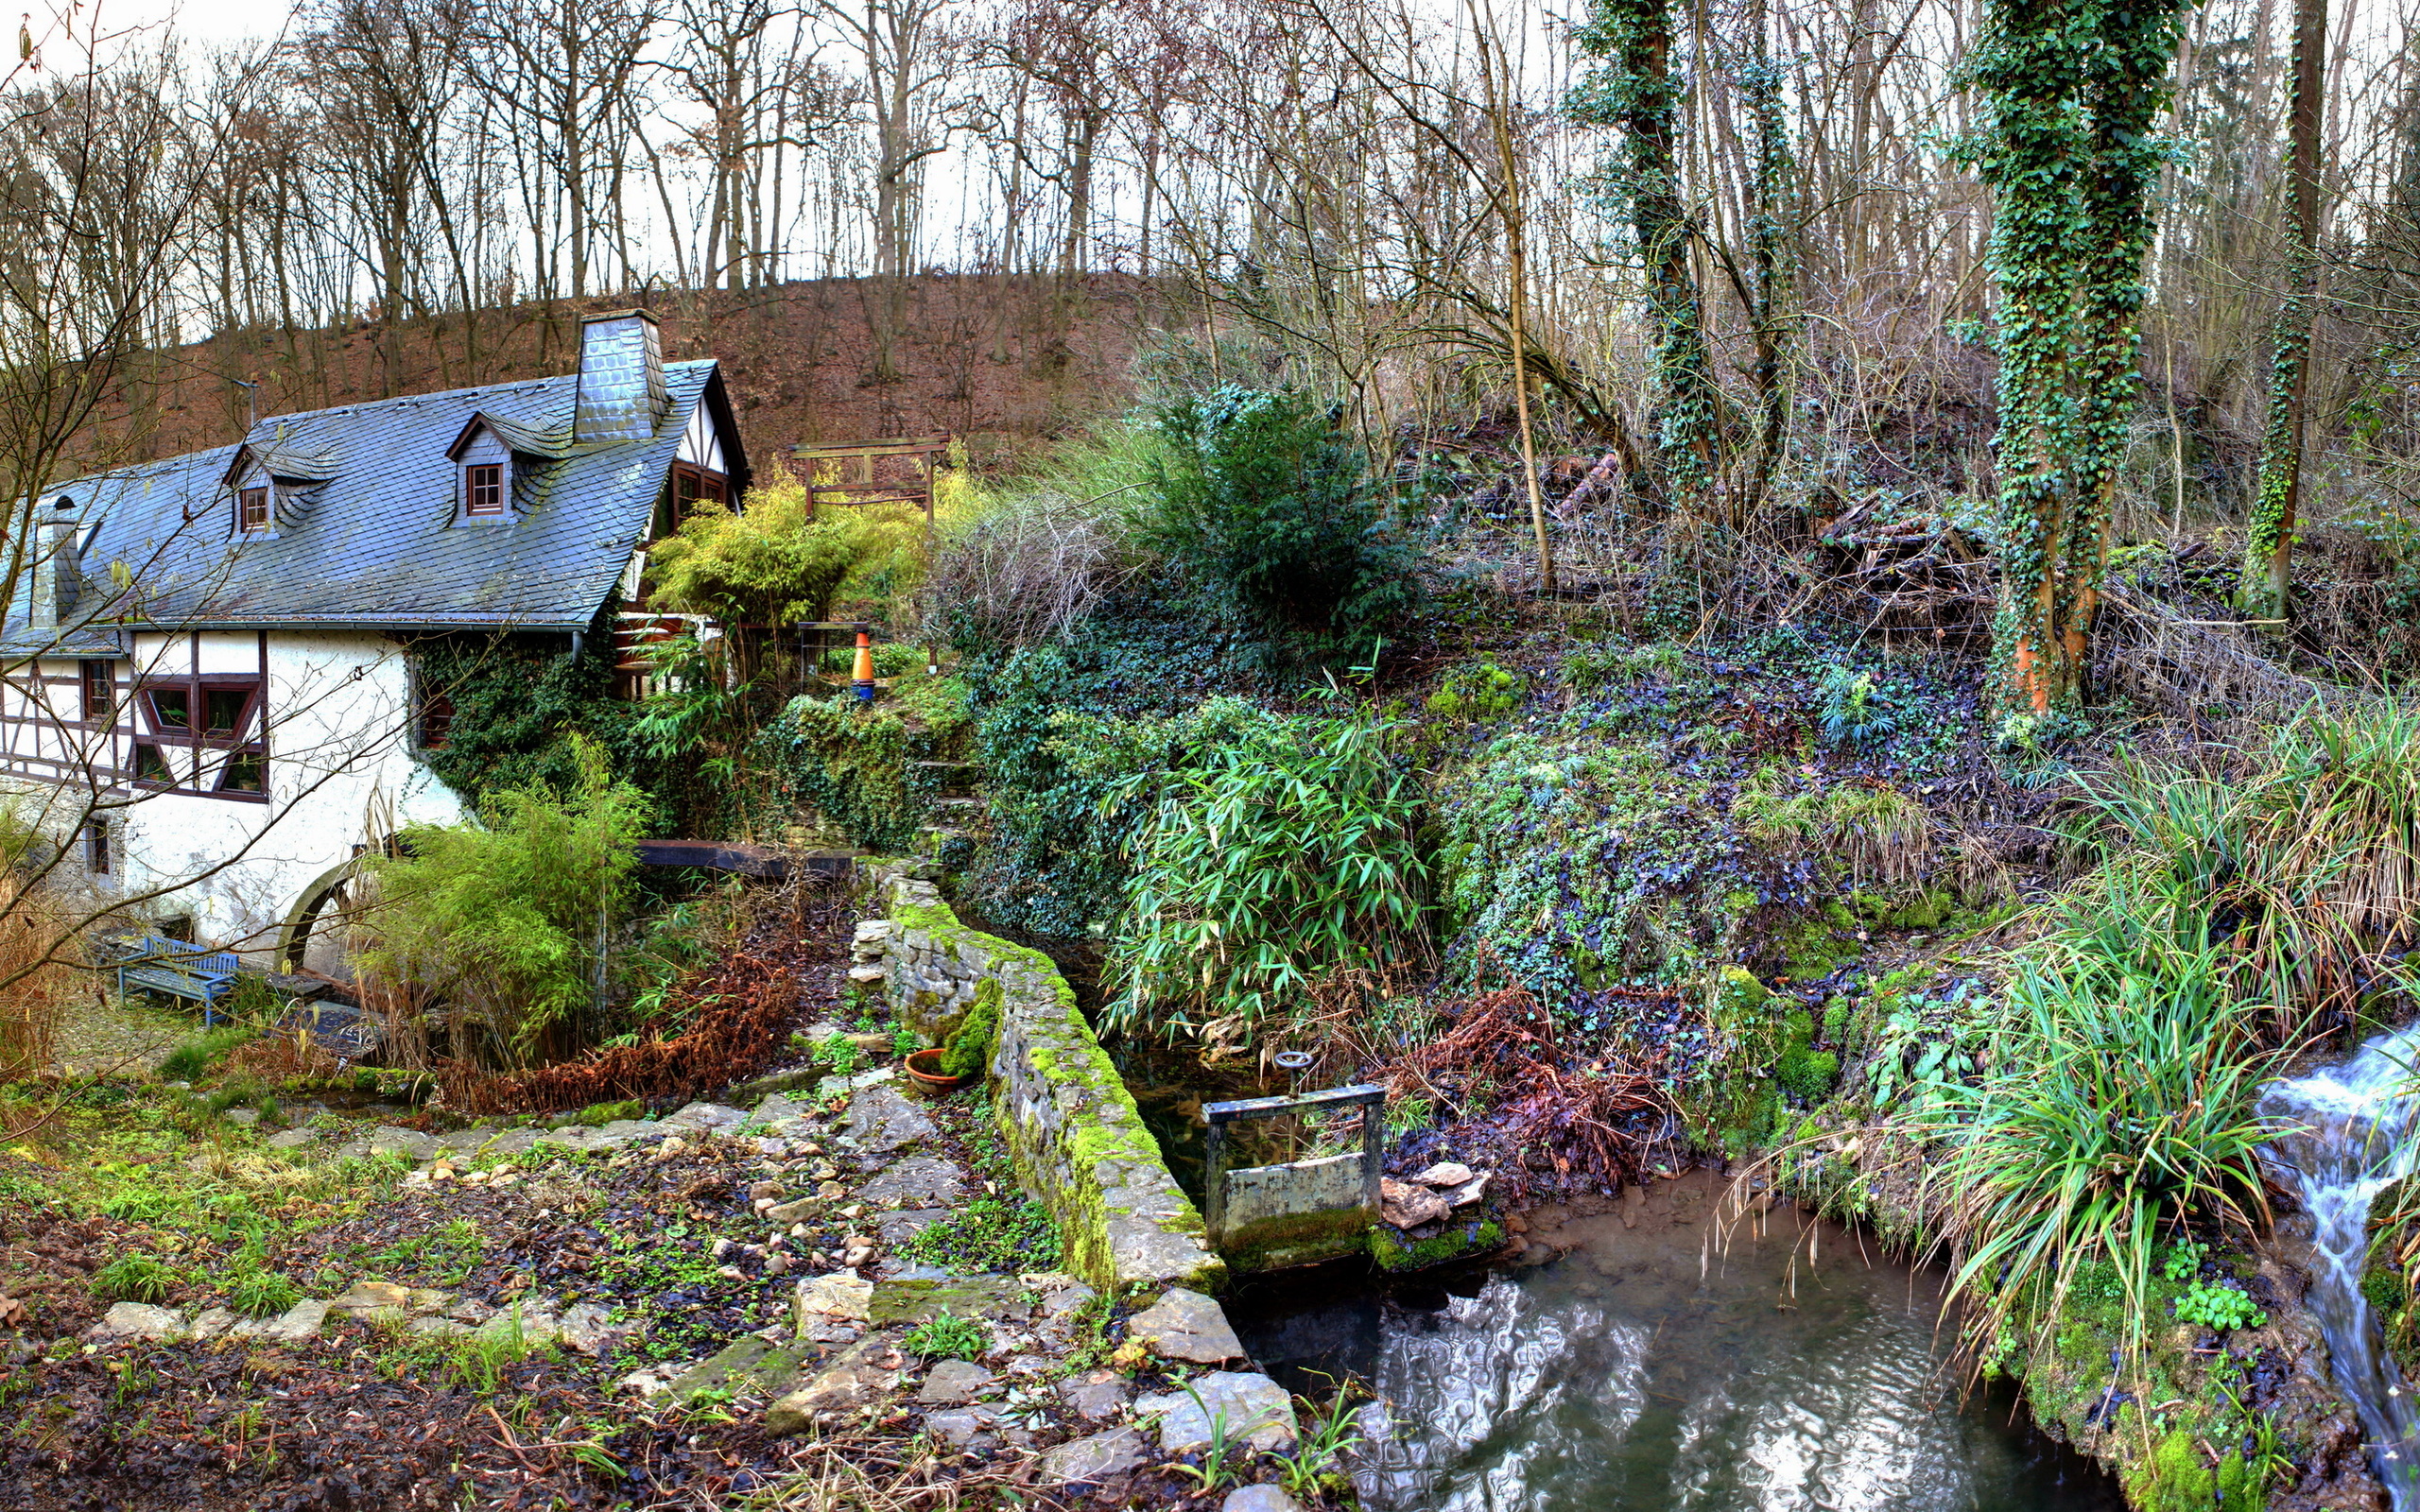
(97, 860)
(700, 483)
(104, 680)
(254, 510)
(487, 492)
(167, 783)
(259, 755)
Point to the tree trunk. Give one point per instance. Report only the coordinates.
(2269, 541)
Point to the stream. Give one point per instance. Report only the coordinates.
(2356, 1137)
(1635, 1372)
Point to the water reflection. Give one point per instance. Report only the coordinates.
(1618, 1377)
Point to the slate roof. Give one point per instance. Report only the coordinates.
(367, 530)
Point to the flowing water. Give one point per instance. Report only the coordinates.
(2354, 1137)
(1632, 1374)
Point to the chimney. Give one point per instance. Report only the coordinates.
(57, 578)
(621, 378)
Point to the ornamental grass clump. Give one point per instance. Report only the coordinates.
(2116, 1110)
(1286, 858)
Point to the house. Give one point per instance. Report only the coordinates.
(209, 697)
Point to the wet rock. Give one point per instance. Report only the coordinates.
(294, 1138)
(1259, 1499)
(411, 1143)
(299, 1324)
(1186, 1326)
(1444, 1174)
(954, 1382)
(1257, 1411)
(882, 1120)
(364, 1297)
(212, 1321)
(1098, 1395)
(921, 1181)
(1098, 1458)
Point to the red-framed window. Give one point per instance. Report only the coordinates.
(151, 765)
(251, 508)
(483, 489)
(244, 770)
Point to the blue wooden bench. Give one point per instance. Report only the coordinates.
(177, 969)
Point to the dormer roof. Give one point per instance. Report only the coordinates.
(521, 440)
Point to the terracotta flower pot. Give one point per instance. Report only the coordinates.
(926, 1066)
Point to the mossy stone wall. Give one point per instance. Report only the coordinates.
(1072, 1128)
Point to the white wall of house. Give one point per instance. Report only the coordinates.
(339, 773)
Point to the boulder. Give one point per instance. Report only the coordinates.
(1186, 1326)
(1250, 1408)
(1444, 1174)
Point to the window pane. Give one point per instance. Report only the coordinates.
(243, 773)
(253, 510)
(224, 709)
(484, 486)
(149, 765)
(100, 692)
(168, 705)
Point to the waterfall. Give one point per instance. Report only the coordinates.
(2354, 1136)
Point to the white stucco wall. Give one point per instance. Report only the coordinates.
(340, 772)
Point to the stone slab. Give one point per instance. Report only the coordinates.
(1186, 1326)
(1256, 1411)
(1102, 1457)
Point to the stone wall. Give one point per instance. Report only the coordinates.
(1078, 1142)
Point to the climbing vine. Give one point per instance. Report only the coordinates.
(1634, 88)
(2069, 93)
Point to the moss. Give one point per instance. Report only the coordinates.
(596, 1115)
(1481, 692)
(1458, 1239)
(2177, 1479)
(970, 1048)
(1809, 948)
(1296, 1239)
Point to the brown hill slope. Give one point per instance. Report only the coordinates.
(999, 361)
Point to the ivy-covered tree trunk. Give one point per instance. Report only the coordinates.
(1772, 251)
(2269, 543)
(1635, 91)
(2070, 90)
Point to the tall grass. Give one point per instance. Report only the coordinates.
(1287, 857)
(35, 980)
(2303, 854)
(2117, 1106)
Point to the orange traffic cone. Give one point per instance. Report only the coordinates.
(863, 676)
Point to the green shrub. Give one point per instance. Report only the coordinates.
(502, 919)
(767, 564)
(1262, 499)
(1289, 855)
(944, 1337)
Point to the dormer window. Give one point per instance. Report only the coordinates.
(483, 490)
(251, 508)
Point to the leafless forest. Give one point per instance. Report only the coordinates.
(1343, 191)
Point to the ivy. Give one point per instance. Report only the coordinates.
(1634, 90)
(2069, 92)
